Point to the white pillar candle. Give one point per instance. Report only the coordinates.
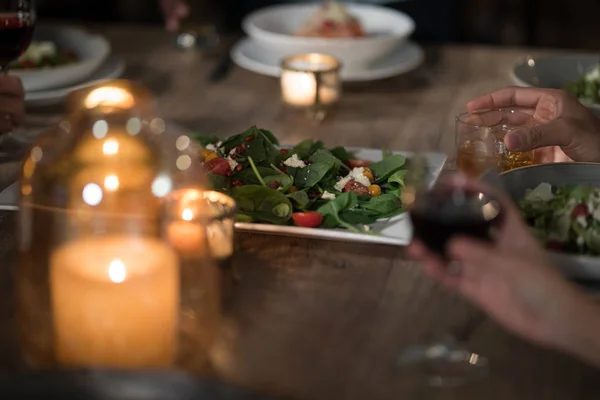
(115, 302)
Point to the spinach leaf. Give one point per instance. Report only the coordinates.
(300, 199)
(270, 136)
(203, 138)
(258, 145)
(324, 156)
(310, 175)
(284, 182)
(385, 168)
(248, 177)
(382, 205)
(307, 147)
(343, 154)
(263, 204)
(359, 216)
(219, 183)
(331, 211)
(396, 183)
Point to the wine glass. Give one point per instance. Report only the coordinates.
(17, 21)
(437, 214)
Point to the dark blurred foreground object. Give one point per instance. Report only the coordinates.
(116, 385)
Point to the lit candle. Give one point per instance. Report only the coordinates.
(115, 302)
(187, 236)
(206, 220)
(303, 75)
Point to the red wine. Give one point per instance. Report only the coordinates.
(16, 30)
(446, 212)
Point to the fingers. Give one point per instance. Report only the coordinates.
(174, 11)
(12, 103)
(508, 97)
(551, 134)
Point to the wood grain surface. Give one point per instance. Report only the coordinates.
(321, 320)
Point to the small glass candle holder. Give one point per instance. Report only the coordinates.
(311, 81)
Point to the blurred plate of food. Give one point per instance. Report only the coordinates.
(408, 56)
(561, 204)
(355, 34)
(111, 68)
(59, 56)
(578, 74)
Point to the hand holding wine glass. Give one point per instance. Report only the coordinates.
(513, 281)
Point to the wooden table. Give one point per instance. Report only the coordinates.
(318, 320)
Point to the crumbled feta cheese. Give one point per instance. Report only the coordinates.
(232, 163)
(596, 214)
(232, 151)
(210, 147)
(357, 175)
(328, 196)
(219, 143)
(295, 162)
(582, 220)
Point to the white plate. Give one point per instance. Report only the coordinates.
(247, 54)
(91, 51)
(112, 68)
(393, 231)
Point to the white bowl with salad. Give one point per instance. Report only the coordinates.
(60, 56)
(561, 204)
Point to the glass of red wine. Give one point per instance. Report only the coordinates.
(17, 21)
(438, 214)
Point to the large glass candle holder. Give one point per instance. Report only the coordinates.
(311, 81)
(98, 282)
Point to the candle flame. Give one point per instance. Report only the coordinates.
(116, 271)
(111, 182)
(109, 96)
(187, 215)
(110, 147)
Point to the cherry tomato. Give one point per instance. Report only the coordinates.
(218, 166)
(356, 187)
(580, 210)
(309, 219)
(355, 163)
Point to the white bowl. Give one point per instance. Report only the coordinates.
(272, 28)
(91, 51)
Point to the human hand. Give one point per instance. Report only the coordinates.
(12, 103)
(511, 280)
(566, 130)
(174, 11)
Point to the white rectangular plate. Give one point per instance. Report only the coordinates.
(394, 231)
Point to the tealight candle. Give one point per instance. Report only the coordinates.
(310, 80)
(204, 219)
(115, 302)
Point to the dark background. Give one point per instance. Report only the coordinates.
(550, 23)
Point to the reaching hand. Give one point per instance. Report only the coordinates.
(12, 103)
(174, 11)
(512, 280)
(566, 130)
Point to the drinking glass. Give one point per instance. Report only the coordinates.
(480, 140)
(202, 28)
(17, 21)
(437, 214)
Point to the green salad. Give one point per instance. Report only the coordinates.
(586, 88)
(308, 185)
(566, 219)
